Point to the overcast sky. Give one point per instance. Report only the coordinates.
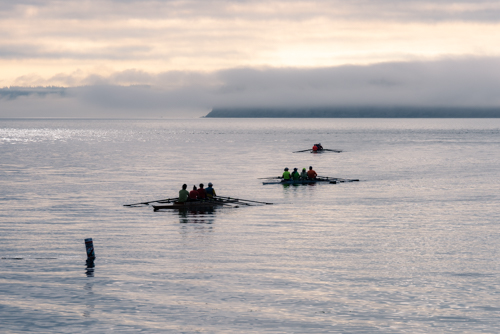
(181, 58)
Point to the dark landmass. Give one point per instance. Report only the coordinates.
(357, 112)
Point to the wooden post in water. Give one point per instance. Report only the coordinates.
(89, 245)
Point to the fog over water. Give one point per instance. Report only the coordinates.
(454, 83)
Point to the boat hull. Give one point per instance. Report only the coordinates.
(192, 205)
(328, 180)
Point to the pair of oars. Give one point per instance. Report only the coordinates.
(337, 179)
(166, 200)
(242, 200)
(325, 149)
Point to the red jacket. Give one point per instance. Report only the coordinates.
(193, 194)
(202, 194)
(311, 174)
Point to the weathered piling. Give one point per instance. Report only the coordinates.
(89, 245)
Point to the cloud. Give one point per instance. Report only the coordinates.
(419, 10)
(209, 35)
(468, 82)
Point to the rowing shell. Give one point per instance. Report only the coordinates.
(192, 205)
(319, 151)
(332, 180)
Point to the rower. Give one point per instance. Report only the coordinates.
(193, 195)
(317, 147)
(311, 174)
(303, 175)
(295, 175)
(183, 194)
(286, 175)
(202, 194)
(210, 191)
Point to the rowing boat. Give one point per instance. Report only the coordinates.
(193, 205)
(332, 180)
(319, 151)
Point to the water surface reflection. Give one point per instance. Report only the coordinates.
(197, 216)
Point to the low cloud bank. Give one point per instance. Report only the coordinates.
(456, 83)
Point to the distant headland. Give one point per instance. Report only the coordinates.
(357, 112)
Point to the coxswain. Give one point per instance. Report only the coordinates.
(183, 194)
(295, 175)
(311, 174)
(286, 175)
(202, 194)
(193, 194)
(210, 191)
(303, 175)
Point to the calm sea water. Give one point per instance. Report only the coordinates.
(413, 247)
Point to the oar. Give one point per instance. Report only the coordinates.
(338, 179)
(336, 151)
(327, 178)
(166, 200)
(244, 200)
(302, 151)
(272, 177)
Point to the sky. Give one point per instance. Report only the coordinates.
(128, 58)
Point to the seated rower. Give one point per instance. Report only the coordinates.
(286, 175)
(201, 192)
(303, 175)
(317, 147)
(193, 195)
(210, 190)
(311, 174)
(295, 175)
(183, 194)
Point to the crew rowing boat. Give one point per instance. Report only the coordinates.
(194, 205)
(332, 180)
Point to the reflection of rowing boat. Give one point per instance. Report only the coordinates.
(332, 180)
(202, 204)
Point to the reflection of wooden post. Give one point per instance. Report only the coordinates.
(89, 245)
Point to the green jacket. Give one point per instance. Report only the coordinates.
(183, 195)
